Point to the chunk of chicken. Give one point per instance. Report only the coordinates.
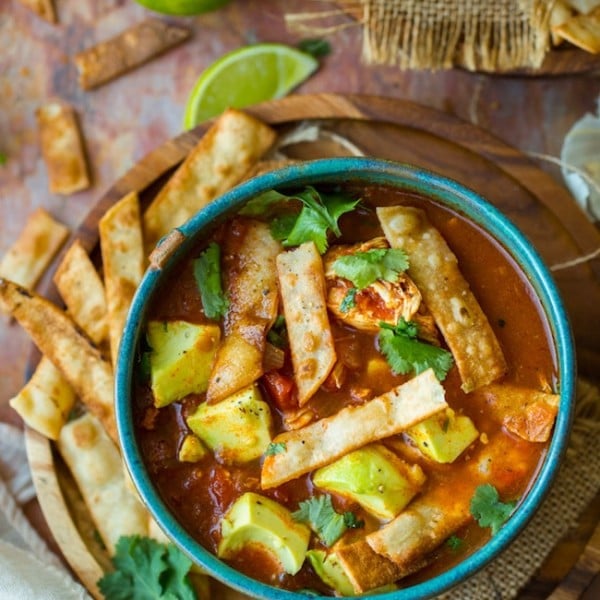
(385, 301)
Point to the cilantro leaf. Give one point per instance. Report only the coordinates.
(278, 335)
(147, 570)
(363, 268)
(316, 47)
(319, 215)
(3, 159)
(263, 204)
(349, 300)
(454, 543)
(207, 272)
(275, 448)
(405, 353)
(487, 508)
(323, 519)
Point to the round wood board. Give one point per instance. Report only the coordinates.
(385, 128)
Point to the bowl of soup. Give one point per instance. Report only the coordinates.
(347, 376)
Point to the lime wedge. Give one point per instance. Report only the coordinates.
(182, 7)
(247, 76)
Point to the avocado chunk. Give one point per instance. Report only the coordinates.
(255, 519)
(444, 436)
(379, 480)
(181, 358)
(191, 449)
(237, 429)
(331, 572)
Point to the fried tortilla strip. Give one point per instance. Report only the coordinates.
(95, 463)
(228, 150)
(366, 569)
(582, 31)
(434, 268)
(62, 148)
(442, 510)
(122, 250)
(526, 412)
(128, 50)
(82, 290)
(34, 249)
(249, 254)
(43, 8)
(57, 337)
(326, 440)
(303, 293)
(46, 400)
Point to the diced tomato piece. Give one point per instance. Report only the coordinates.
(282, 390)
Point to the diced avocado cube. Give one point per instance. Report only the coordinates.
(444, 436)
(191, 449)
(379, 480)
(181, 358)
(237, 429)
(257, 520)
(331, 572)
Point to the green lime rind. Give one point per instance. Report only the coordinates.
(182, 7)
(247, 76)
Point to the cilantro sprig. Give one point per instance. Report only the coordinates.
(324, 520)
(207, 272)
(275, 448)
(487, 508)
(405, 353)
(349, 300)
(363, 268)
(278, 335)
(147, 570)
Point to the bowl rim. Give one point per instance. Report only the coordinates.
(369, 171)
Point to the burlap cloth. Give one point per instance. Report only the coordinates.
(489, 35)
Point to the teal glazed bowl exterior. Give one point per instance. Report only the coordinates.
(367, 171)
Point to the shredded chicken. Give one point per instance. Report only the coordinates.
(381, 301)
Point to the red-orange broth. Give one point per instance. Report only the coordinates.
(199, 494)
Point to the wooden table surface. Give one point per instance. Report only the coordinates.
(124, 120)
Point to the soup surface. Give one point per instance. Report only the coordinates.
(457, 477)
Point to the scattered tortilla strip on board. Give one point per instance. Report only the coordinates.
(62, 148)
(59, 338)
(82, 290)
(123, 259)
(328, 439)
(249, 253)
(128, 50)
(43, 8)
(582, 31)
(434, 268)
(46, 400)
(228, 150)
(526, 412)
(37, 244)
(303, 293)
(95, 463)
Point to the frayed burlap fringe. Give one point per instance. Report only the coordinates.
(489, 35)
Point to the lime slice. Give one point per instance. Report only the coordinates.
(182, 7)
(247, 76)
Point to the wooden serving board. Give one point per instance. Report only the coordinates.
(386, 128)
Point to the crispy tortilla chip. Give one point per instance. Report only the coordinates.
(45, 402)
(326, 440)
(43, 8)
(223, 156)
(82, 290)
(128, 50)
(528, 413)
(582, 31)
(95, 463)
(62, 148)
(303, 291)
(34, 249)
(123, 261)
(57, 336)
(366, 569)
(249, 254)
(434, 268)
